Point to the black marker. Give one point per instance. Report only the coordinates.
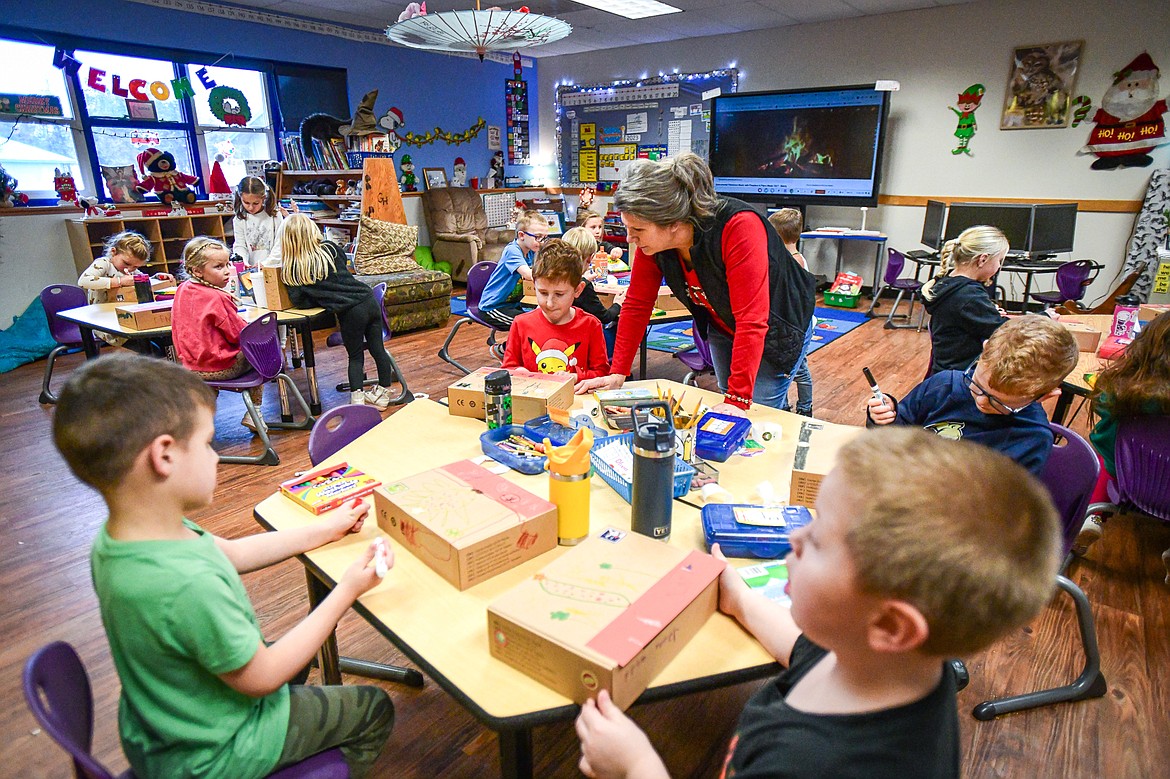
(873, 385)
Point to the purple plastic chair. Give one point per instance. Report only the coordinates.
(1070, 475)
(260, 344)
(894, 266)
(56, 688)
(1142, 465)
(1072, 279)
(697, 360)
(56, 298)
(477, 279)
(406, 395)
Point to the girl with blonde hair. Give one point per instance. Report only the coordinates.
(317, 275)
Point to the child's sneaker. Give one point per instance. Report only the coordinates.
(378, 396)
(498, 351)
(1090, 532)
(251, 425)
(357, 398)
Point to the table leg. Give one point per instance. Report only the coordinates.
(877, 285)
(642, 356)
(310, 365)
(516, 754)
(327, 657)
(1063, 403)
(88, 342)
(1027, 290)
(293, 351)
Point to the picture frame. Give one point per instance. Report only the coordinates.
(435, 178)
(1040, 87)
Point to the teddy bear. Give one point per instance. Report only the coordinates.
(160, 176)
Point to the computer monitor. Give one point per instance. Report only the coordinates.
(1053, 227)
(932, 225)
(1015, 220)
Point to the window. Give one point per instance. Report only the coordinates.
(109, 82)
(231, 112)
(31, 147)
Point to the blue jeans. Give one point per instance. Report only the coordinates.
(803, 381)
(771, 387)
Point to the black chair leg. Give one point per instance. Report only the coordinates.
(445, 355)
(47, 395)
(1090, 683)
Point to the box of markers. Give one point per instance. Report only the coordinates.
(328, 487)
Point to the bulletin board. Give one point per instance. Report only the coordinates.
(602, 128)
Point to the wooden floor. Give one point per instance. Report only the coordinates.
(48, 521)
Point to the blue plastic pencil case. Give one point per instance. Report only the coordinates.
(717, 436)
(490, 442)
(543, 427)
(737, 529)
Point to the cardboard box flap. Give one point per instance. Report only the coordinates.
(645, 618)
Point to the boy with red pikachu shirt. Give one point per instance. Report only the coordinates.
(556, 337)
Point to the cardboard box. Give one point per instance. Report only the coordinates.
(328, 487)
(817, 445)
(1149, 311)
(610, 614)
(668, 302)
(275, 292)
(532, 394)
(145, 316)
(465, 522)
(1087, 338)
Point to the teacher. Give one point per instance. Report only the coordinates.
(750, 299)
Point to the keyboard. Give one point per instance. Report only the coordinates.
(919, 254)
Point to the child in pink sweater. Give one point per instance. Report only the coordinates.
(205, 322)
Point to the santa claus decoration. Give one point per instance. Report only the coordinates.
(459, 173)
(1129, 122)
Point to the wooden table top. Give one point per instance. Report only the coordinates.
(1088, 362)
(102, 316)
(445, 630)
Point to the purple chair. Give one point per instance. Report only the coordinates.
(1072, 279)
(406, 395)
(260, 344)
(890, 280)
(697, 360)
(477, 279)
(1142, 465)
(335, 429)
(1070, 475)
(56, 688)
(56, 298)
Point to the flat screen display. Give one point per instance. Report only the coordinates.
(1015, 220)
(1053, 228)
(800, 147)
(932, 225)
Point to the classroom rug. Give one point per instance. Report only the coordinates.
(458, 305)
(832, 323)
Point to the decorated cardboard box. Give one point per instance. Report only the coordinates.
(1087, 338)
(465, 522)
(817, 445)
(609, 614)
(532, 394)
(275, 292)
(145, 316)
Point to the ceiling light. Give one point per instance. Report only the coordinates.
(478, 31)
(632, 9)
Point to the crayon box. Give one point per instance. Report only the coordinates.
(328, 487)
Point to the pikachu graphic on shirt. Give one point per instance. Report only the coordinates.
(555, 356)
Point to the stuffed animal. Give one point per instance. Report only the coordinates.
(66, 189)
(160, 176)
(413, 10)
(9, 197)
(321, 127)
(495, 176)
(121, 183)
(459, 173)
(409, 180)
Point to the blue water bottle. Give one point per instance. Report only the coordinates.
(653, 478)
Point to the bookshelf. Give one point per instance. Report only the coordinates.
(287, 179)
(167, 235)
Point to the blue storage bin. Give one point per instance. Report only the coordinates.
(542, 427)
(736, 539)
(682, 471)
(489, 442)
(717, 436)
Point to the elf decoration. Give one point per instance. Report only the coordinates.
(409, 180)
(1129, 122)
(66, 189)
(459, 173)
(159, 176)
(967, 102)
(229, 106)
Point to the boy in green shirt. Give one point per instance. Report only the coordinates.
(202, 694)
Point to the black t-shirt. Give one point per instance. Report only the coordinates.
(773, 740)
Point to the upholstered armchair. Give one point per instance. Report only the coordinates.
(458, 227)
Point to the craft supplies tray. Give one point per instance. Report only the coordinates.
(494, 444)
(717, 436)
(744, 530)
(615, 405)
(621, 481)
(558, 435)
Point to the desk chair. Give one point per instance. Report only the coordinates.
(477, 279)
(54, 299)
(699, 360)
(260, 344)
(406, 395)
(56, 688)
(1142, 463)
(337, 428)
(1070, 474)
(890, 280)
(1072, 279)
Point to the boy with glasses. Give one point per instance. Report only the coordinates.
(997, 401)
(500, 301)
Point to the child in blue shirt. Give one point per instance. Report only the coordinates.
(202, 693)
(995, 402)
(500, 301)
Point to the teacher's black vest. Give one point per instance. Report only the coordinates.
(791, 289)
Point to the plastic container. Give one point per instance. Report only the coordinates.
(542, 427)
(839, 300)
(722, 525)
(621, 485)
(497, 399)
(490, 441)
(717, 436)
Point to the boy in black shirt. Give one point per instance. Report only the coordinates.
(899, 571)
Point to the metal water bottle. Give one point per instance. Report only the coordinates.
(497, 399)
(653, 478)
(142, 288)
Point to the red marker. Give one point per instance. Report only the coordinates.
(356, 502)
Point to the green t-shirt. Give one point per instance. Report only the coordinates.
(176, 615)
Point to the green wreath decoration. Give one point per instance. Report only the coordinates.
(216, 97)
(438, 134)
